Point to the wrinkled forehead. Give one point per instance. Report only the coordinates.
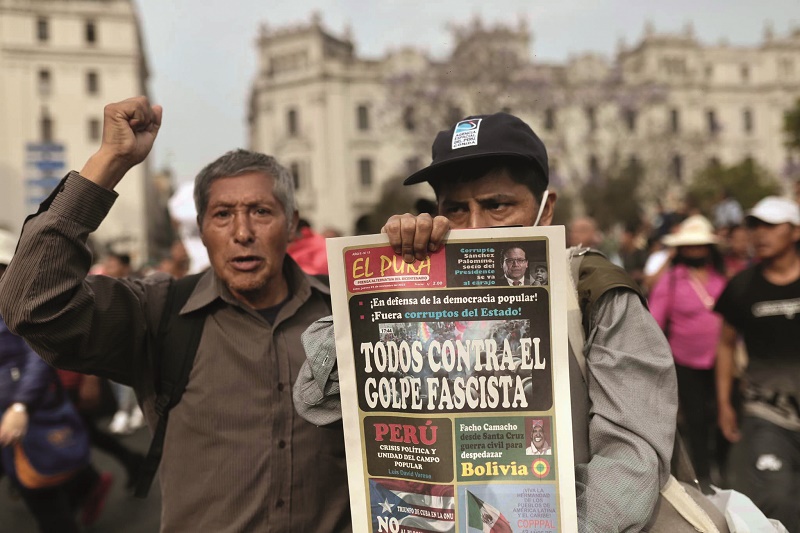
(243, 188)
(496, 182)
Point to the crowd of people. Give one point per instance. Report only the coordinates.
(727, 295)
(257, 416)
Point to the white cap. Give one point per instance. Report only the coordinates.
(776, 210)
(694, 231)
(8, 243)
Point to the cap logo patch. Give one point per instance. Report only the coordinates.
(466, 133)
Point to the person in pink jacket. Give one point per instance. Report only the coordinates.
(682, 302)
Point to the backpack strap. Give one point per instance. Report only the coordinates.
(176, 345)
(576, 334)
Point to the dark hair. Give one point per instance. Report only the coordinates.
(513, 247)
(522, 171)
(716, 260)
(632, 227)
(237, 163)
(734, 227)
(125, 259)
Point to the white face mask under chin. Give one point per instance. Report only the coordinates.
(541, 207)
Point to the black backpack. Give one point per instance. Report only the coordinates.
(176, 341)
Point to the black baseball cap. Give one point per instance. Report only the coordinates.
(483, 136)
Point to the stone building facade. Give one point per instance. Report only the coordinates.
(60, 62)
(665, 106)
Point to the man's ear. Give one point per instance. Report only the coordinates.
(549, 209)
(293, 225)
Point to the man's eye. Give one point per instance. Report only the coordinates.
(221, 214)
(263, 211)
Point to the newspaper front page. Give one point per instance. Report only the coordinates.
(454, 383)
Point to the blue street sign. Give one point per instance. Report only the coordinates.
(44, 148)
(44, 183)
(36, 200)
(47, 165)
(45, 162)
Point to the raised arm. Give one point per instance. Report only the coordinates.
(91, 324)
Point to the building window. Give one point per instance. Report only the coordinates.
(91, 32)
(95, 129)
(45, 82)
(591, 118)
(42, 29)
(676, 167)
(630, 119)
(674, 66)
(92, 82)
(634, 165)
(711, 120)
(747, 121)
(409, 119)
(745, 73)
(294, 168)
(412, 165)
(675, 120)
(362, 118)
(788, 164)
(709, 72)
(46, 128)
(787, 67)
(550, 119)
(365, 172)
(594, 166)
(291, 123)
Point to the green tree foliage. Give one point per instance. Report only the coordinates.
(565, 207)
(614, 200)
(791, 126)
(746, 181)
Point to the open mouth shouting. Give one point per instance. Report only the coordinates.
(246, 263)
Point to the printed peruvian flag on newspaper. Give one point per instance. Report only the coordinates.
(485, 517)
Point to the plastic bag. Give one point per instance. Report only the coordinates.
(742, 514)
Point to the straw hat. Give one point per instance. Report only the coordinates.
(8, 244)
(694, 231)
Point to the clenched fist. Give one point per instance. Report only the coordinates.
(130, 128)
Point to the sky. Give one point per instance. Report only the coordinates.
(202, 54)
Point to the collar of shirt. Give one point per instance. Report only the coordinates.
(210, 287)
